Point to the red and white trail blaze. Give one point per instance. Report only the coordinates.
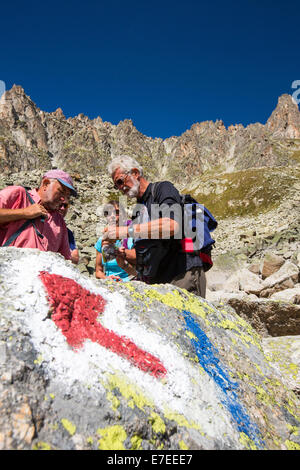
(75, 311)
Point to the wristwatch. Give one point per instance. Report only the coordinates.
(130, 231)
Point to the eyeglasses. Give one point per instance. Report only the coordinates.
(64, 204)
(120, 181)
(112, 213)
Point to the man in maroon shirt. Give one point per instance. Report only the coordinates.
(45, 228)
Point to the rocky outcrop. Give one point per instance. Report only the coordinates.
(244, 280)
(246, 285)
(265, 293)
(271, 264)
(269, 317)
(101, 365)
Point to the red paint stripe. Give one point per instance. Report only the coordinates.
(75, 311)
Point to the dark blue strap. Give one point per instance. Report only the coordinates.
(17, 233)
(29, 197)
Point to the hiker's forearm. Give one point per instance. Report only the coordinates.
(154, 229)
(126, 265)
(130, 256)
(159, 228)
(99, 271)
(31, 212)
(11, 215)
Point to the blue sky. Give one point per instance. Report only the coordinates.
(163, 64)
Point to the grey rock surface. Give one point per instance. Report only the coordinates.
(284, 353)
(218, 389)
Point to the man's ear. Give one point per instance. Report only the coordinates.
(135, 172)
(45, 183)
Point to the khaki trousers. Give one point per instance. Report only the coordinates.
(193, 281)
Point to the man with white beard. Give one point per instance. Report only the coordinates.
(156, 228)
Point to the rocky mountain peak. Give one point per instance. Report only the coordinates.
(285, 119)
(15, 105)
(59, 113)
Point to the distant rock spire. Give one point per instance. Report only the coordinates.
(284, 122)
(59, 113)
(16, 105)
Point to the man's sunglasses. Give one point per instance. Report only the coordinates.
(64, 204)
(120, 181)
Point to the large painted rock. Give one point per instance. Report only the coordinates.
(89, 364)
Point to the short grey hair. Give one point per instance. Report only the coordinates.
(125, 163)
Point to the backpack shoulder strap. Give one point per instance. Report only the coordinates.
(153, 189)
(17, 233)
(28, 195)
(42, 217)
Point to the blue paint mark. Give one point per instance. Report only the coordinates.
(208, 358)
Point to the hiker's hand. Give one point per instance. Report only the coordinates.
(115, 278)
(124, 263)
(120, 253)
(35, 210)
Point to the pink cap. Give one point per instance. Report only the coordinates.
(63, 177)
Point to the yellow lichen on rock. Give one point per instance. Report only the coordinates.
(112, 438)
(69, 426)
(290, 445)
(131, 393)
(158, 424)
(136, 443)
